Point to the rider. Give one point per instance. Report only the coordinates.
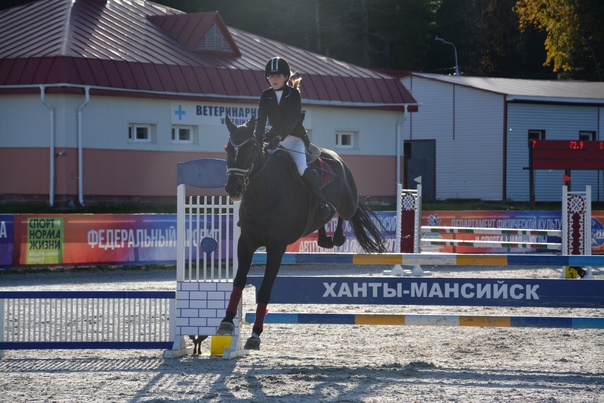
(282, 105)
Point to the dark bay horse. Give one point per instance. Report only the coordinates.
(276, 210)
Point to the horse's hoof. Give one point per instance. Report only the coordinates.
(326, 242)
(225, 329)
(339, 240)
(252, 343)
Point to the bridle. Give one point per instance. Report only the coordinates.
(243, 173)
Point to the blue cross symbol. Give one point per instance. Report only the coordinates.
(180, 112)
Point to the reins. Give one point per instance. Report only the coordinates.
(244, 174)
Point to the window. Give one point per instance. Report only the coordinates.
(139, 133)
(345, 139)
(182, 134)
(587, 135)
(536, 135)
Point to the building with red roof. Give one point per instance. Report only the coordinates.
(100, 99)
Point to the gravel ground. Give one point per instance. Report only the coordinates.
(310, 363)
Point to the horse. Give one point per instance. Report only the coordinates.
(276, 210)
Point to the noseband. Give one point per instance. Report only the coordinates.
(243, 173)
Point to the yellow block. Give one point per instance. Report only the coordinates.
(361, 319)
(571, 272)
(219, 344)
(499, 321)
(481, 260)
(377, 258)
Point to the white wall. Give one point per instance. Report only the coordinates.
(105, 121)
(376, 129)
(467, 125)
(25, 121)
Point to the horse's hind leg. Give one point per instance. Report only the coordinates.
(338, 236)
(323, 240)
(337, 239)
(197, 343)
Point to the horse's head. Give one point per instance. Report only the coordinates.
(243, 151)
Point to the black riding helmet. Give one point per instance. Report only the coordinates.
(277, 65)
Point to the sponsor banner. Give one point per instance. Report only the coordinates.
(6, 240)
(87, 239)
(538, 220)
(90, 239)
(597, 232)
(436, 291)
(309, 242)
(44, 240)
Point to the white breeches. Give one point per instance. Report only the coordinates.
(295, 148)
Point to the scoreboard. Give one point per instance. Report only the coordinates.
(566, 154)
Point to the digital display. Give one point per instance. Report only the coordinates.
(567, 154)
(568, 144)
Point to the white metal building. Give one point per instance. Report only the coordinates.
(470, 138)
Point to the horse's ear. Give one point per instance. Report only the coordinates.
(230, 125)
(251, 123)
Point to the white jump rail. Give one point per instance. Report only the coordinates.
(85, 320)
(575, 206)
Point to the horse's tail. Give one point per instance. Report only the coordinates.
(366, 231)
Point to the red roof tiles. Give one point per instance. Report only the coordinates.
(140, 46)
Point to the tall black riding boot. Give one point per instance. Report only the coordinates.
(326, 210)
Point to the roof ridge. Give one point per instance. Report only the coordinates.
(67, 30)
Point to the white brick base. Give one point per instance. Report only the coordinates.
(200, 306)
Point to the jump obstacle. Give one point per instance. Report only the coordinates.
(560, 322)
(420, 291)
(86, 319)
(575, 233)
(206, 266)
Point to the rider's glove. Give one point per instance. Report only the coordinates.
(273, 143)
(269, 135)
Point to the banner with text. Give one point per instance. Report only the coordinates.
(90, 239)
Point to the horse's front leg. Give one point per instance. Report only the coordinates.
(245, 252)
(274, 254)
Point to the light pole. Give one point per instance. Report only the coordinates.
(437, 39)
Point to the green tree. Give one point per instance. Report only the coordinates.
(575, 39)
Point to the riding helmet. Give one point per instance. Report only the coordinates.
(277, 65)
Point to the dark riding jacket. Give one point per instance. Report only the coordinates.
(285, 118)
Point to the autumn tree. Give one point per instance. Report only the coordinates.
(575, 39)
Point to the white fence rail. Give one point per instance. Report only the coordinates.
(86, 319)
